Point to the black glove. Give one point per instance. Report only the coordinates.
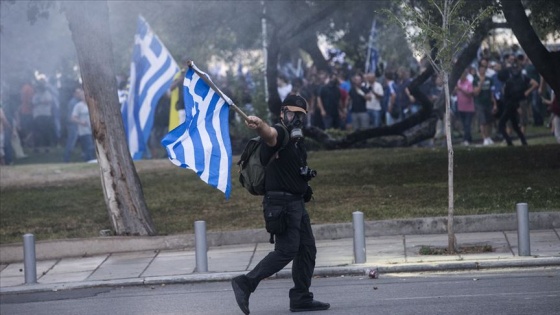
(308, 194)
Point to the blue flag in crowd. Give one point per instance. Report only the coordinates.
(202, 142)
(151, 74)
(372, 53)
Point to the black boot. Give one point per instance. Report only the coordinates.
(313, 305)
(242, 292)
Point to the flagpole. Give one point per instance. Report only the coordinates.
(216, 89)
(265, 50)
(370, 44)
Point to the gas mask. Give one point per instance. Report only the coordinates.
(294, 122)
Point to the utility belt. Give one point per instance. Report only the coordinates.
(283, 195)
(275, 211)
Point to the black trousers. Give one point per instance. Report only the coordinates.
(510, 113)
(296, 244)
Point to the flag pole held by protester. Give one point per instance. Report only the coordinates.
(206, 79)
(202, 143)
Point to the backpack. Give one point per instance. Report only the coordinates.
(251, 171)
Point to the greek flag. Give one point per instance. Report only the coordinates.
(151, 73)
(202, 142)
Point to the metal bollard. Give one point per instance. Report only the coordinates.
(200, 244)
(523, 242)
(29, 261)
(359, 237)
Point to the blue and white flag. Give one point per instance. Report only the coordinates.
(202, 142)
(372, 53)
(151, 74)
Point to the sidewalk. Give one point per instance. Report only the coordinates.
(388, 254)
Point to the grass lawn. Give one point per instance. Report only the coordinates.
(382, 183)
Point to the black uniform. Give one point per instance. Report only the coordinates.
(514, 89)
(286, 191)
(285, 188)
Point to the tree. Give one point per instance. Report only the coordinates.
(546, 62)
(281, 34)
(439, 42)
(88, 22)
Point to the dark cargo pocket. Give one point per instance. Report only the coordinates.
(275, 219)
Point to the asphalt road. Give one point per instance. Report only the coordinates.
(514, 291)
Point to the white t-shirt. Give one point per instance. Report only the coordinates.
(283, 91)
(374, 103)
(81, 112)
(42, 104)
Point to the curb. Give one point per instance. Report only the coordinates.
(117, 244)
(351, 270)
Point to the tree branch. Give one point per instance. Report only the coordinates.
(547, 63)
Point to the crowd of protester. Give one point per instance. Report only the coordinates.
(349, 99)
(40, 114)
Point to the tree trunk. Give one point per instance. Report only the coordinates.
(448, 137)
(450, 156)
(282, 34)
(547, 63)
(311, 47)
(89, 24)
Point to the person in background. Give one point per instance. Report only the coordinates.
(43, 120)
(314, 113)
(389, 97)
(305, 91)
(80, 116)
(345, 107)
(284, 86)
(435, 96)
(490, 72)
(122, 91)
(15, 141)
(509, 59)
(71, 126)
(177, 104)
(554, 107)
(373, 104)
(403, 99)
(358, 97)
(8, 130)
(4, 126)
(329, 102)
(160, 127)
(485, 103)
(25, 113)
(516, 88)
(550, 99)
(534, 99)
(465, 105)
(524, 109)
